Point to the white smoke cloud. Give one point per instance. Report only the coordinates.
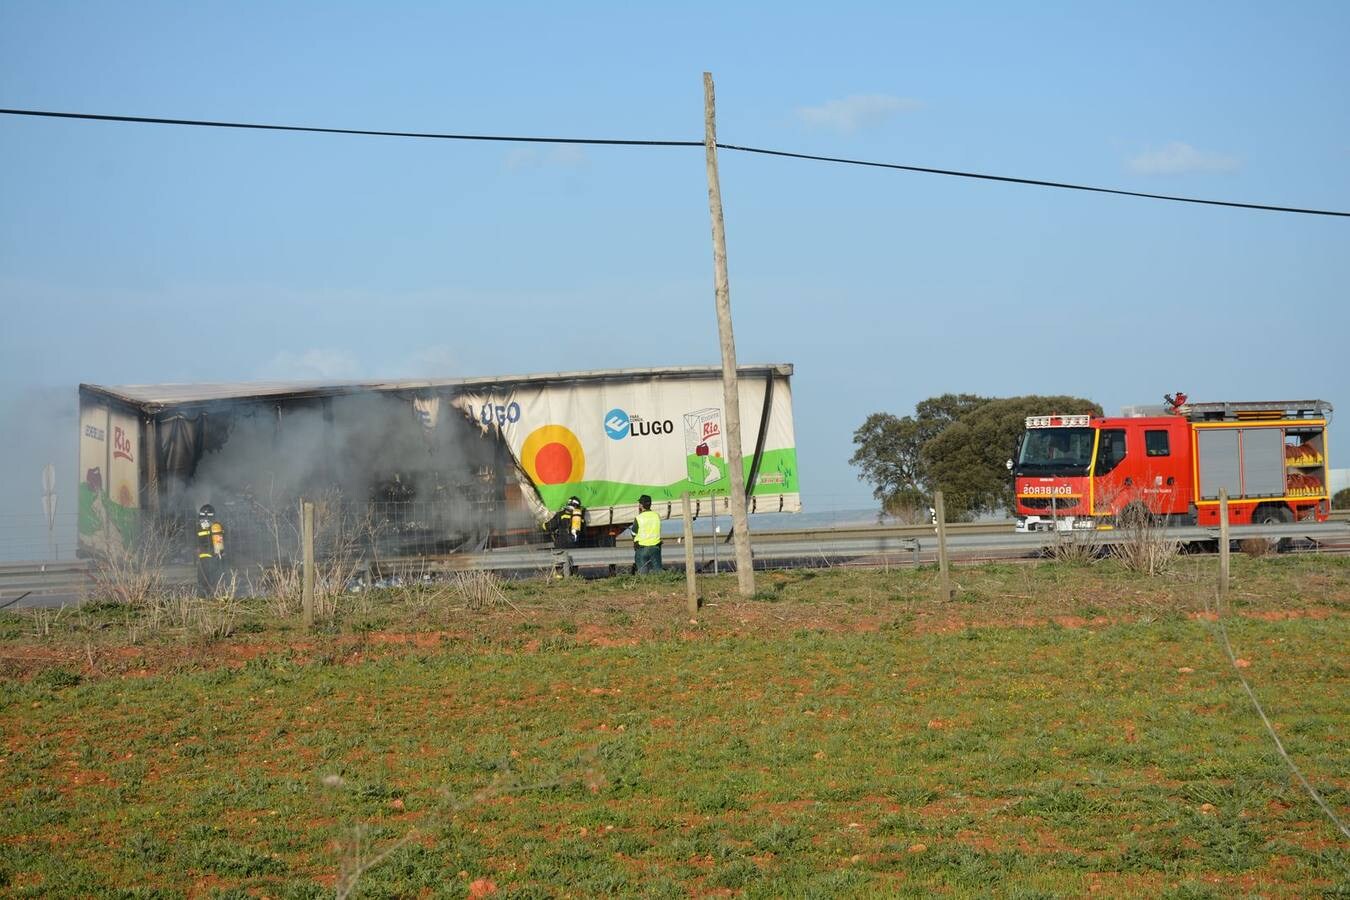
(1178, 158)
(859, 111)
(317, 363)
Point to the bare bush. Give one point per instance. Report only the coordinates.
(1079, 546)
(282, 585)
(213, 618)
(1142, 543)
(44, 618)
(339, 537)
(1256, 546)
(480, 590)
(134, 575)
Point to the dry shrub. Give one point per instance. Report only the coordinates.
(1079, 546)
(339, 535)
(1142, 543)
(211, 618)
(479, 590)
(135, 575)
(1255, 546)
(44, 618)
(284, 585)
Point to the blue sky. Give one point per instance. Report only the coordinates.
(132, 253)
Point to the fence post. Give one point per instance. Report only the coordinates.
(690, 585)
(307, 544)
(941, 511)
(1223, 543)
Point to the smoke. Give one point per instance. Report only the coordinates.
(39, 428)
(418, 480)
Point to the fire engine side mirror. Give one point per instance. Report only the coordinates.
(1009, 465)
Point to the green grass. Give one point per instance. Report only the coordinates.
(841, 734)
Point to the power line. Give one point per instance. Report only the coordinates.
(202, 123)
(501, 138)
(1035, 182)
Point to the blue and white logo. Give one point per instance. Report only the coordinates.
(617, 424)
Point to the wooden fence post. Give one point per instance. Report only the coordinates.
(307, 549)
(690, 579)
(1223, 543)
(941, 514)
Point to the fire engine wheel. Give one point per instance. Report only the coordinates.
(1274, 515)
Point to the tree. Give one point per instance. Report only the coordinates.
(967, 461)
(957, 443)
(1341, 499)
(889, 450)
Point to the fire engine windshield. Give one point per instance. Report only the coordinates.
(1055, 451)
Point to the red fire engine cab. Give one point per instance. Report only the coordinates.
(1089, 472)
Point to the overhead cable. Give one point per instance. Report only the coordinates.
(500, 138)
(202, 123)
(1034, 182)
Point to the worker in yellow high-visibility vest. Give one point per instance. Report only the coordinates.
(646, 538)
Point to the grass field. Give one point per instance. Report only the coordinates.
(1055, 730)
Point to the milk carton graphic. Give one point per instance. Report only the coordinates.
(705, 458)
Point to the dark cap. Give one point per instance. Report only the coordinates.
(645, 501)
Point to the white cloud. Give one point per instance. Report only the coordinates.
(1178, 158)
(315, 364)
(852, 113)
(562, 156)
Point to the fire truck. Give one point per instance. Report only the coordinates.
(1171, 462)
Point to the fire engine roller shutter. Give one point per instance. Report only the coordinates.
(1218, 462)
(1263, 462)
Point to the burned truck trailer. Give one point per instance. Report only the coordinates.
(425, 467)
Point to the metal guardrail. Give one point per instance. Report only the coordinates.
(43, 577)
(896, 544)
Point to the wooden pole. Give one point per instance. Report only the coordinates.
(1223, 543)
(690, 583)
(307, 545)
(731, 400)
(943, 571)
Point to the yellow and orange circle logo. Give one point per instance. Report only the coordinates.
(552, 454)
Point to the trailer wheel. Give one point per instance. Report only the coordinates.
(1274, 514)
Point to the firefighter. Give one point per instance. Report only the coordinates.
(565, 525)
(210, 551)
(646, 538)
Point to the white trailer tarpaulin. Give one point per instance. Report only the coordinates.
(610, 441)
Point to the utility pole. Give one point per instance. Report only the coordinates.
(731, 398)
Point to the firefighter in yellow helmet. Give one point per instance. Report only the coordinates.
(210, 551)
(565, 525)
(646, 538)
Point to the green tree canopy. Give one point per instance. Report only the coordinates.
(888, 449)
(956, 443)
(1341, 499)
